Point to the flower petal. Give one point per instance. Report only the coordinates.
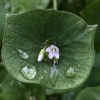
(57, 55)
(48, 49)
(53, 46)
(51, 55)
(57, 50)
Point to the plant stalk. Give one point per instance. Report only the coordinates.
(55, 4)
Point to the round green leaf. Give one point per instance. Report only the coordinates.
(28, 31)
(91, 93)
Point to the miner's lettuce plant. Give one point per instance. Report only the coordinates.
(51, 49)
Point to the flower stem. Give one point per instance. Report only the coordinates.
(55, 4)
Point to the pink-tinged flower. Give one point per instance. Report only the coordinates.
(53, 52)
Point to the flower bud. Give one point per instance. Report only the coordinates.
(41, 55)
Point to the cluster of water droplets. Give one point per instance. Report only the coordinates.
(29, 71)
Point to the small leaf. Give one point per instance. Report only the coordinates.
(3, 72)
(97, 60)
(91, 14)
(28, 31)
(88, 2)
(4, 8)
(23, 5)
(90, 93)
(12, 89)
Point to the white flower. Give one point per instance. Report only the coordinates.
(53, 52)
(41, 55)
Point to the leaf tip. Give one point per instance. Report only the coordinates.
(95, 25)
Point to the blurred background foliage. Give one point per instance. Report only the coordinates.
(11, 89)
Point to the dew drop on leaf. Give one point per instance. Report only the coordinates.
(23, 54)
(45, 72)
(41, 77)
(69, 85)
(70, 72)
(53, 75)
(29, 71)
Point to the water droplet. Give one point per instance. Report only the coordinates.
(44, 71)
(53, 75)
(7, 5)
(31, 98)
(22, 54)
(29, 71)
(41, 77)
(69, 85)
(70, 72)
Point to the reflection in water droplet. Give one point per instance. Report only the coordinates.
(23, 54)
(70, 72)
(53, 75)
(29, 71)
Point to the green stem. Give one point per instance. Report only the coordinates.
(55, 4)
